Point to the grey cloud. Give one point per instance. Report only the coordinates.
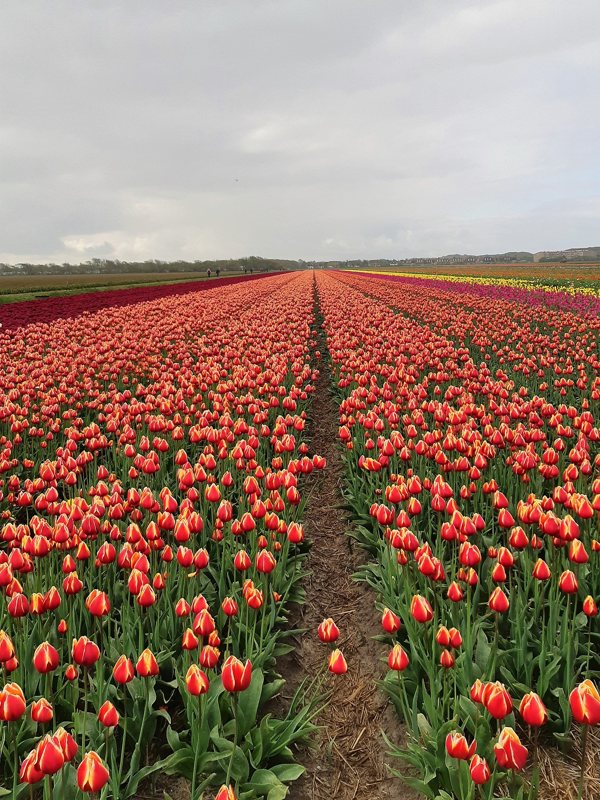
(297, 128)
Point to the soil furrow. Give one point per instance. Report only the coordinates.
(348, 761)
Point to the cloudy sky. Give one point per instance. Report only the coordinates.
(297, 128)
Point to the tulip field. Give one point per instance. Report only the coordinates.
(155, 456)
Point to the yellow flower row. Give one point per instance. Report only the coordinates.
(520, 283)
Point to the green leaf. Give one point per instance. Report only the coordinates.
(288, 772)
(278, 793)
(247, 708)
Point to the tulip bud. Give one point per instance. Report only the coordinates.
(390, 622)
(97, 603)
(496, 700)
(397, 659)
(50, 757)
(7, 649)
(42, 711)
(85, 652)
(147, 666)
(196, 681)
(45, 658)
(420, 609)
(123, 670)
(590, 609)
(498, 601)
(457, 746)
(532, 709)
(225, 793)
(328, 631)
(12, 703)
(568, 582)
(446, 659)
(337, 663)
(229, 606)
(108, 715)
(479, 770)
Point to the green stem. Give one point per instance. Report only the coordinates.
(196, 750)
(584, 735)
(15, 758)
(85, 707)
(235, 736)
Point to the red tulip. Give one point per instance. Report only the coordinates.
(590, 609)
(397, 659)
(235, 675)
(230, 607)
(108, 715)
(568, 582)
(92, 773)
(50, 756)
(85, 652)
(532, 709)
(479, 770)
(30, 772)
(337, 663)
(421, 609)
(496, 700)
(225, 793)
(7, 649)
(328, 631)
(67, 743)
(45, 658)
(97, 603)
(147, 666)
(457, 746)
(12, 703)
(42, 711)
(498, 601)
(196, 681)
(390, 622)
(509, 751)
(585, 703)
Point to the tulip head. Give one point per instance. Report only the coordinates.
(92, 773)
(458, 747)
(235, 675)
(509, 752)
(533, 711)
(328, 631)
(585, 703)
(337, 663)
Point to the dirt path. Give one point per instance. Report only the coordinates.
(349, 759)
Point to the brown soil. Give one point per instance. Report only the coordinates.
(348, 760)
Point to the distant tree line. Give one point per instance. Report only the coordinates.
(104, 266)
